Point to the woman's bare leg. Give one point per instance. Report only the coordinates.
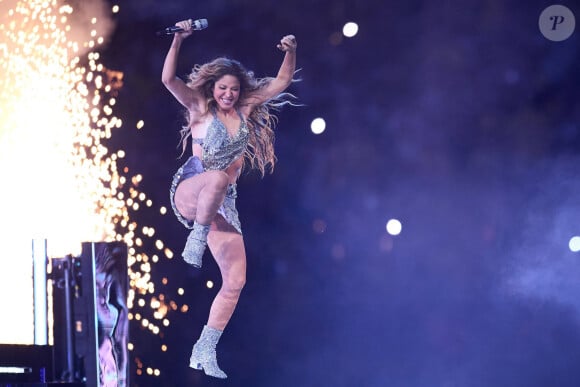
(227, 247)
(198, 199)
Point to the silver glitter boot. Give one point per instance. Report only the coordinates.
(203, 355)
(195, 245)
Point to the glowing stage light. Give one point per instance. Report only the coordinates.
(318, 126)
(394, 227)
(574, 244)
(350, 29)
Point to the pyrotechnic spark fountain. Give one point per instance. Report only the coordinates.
(55, 112)
(60, 181)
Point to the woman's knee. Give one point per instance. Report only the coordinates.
(234, 282)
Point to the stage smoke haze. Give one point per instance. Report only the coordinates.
(543, 269)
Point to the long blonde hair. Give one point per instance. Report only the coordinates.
(259, 153)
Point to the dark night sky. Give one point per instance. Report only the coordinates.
(457, 117)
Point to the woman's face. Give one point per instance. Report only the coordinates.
(226, 92)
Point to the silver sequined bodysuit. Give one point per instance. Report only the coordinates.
(220, 149)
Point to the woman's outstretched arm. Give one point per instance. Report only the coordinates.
(285, 75)
(186, 96)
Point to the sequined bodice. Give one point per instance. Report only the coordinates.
(220, 149)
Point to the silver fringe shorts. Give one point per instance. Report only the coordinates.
(192, 167)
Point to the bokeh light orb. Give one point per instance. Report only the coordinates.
(318, 125)
(394, 227)
(350, 29)
(574, 244)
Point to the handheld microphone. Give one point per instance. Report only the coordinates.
(196, 25)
